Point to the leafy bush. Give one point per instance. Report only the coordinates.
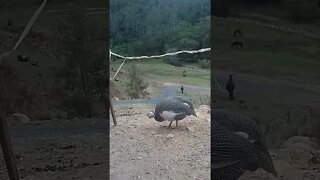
(136, 87)
(204, 64)
(175, 62)
(298, 121)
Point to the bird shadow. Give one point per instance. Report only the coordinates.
(165, 129)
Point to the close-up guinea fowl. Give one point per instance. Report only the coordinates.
(173, 109)
(241, 125)
(235, 153)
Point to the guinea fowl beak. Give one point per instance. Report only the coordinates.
(194, 113)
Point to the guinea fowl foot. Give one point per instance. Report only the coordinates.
(173, 127)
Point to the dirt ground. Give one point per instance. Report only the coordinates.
(141, 148)
(297, 159)
(68, 150)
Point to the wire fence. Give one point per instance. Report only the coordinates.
(153, 56)
(26, 30)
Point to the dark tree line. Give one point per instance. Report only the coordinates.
(296, 10)
(83, 76)
(144, 27)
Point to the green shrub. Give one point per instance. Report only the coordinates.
(136, 87)
(204, 64)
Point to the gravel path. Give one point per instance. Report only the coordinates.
(58, 150)
(140, 148)
(169, 89)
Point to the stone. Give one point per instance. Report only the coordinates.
(190, 128)
(298, 142)
(18, 118)
(170, 136)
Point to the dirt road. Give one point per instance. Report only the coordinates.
(187, 88)
(268, 94)
(169, 89)
(141, 149)
(56, 150)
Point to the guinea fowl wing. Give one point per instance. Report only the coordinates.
(241, 123)
(227, 146)
(170, 106)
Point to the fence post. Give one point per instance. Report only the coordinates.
(112, 112)
(7, 150)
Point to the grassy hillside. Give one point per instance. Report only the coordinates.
(266, 51)
(270, 72)
(156, 71)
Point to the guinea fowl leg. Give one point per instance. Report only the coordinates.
(176, 124)
(170, 124)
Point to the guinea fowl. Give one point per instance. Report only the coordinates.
(241, 125)
(173, 109)
(233, 152)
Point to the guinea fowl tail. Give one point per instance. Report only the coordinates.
(266, 163)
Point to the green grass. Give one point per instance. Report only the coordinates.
(270, 64)
(197, 99)
(158, 70)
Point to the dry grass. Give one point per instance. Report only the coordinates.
(296, 121)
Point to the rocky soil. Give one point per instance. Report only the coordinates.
(66, 150)
(298, 158)
(141, 148)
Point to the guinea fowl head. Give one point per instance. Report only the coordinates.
(193, 112)
(151, 114)
(191, 109)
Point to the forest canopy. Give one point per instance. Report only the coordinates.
(148, 27)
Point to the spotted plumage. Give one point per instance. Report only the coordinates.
(242, 125)
(234, 153)
(172, 109)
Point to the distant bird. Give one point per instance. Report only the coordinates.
(230, 87)
(237, 145)
(173, 109)
(182, 88)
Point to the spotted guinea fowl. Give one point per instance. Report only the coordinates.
(233, 155)
(173, 108)
(241, 125)
(187, 102)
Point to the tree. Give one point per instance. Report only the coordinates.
(136, 87)
(83, 70)
(144, 27)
